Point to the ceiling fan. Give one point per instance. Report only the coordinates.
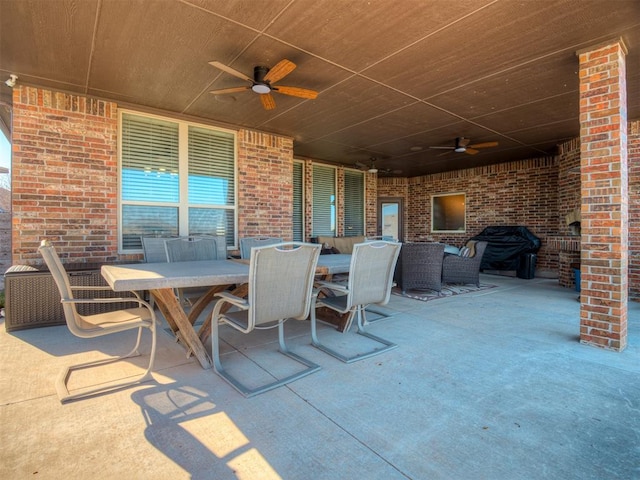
(462, 146)
(372, 168)
(368, 168)
(263, 81)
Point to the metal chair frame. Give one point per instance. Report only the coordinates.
(277, 273)
(370, 281)
(96, 325)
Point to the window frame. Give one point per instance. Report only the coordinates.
(183, 204)
(433, 212)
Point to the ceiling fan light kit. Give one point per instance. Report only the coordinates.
(261, 89)
(263, 81)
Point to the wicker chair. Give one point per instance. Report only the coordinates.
(420, 266)
(457, 269)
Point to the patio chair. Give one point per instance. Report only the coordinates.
(420, 266)
(194, 248)
(247, 243)
(96, 325)
(370, 281)
(280, 287)
(465, 267)
(154, 250)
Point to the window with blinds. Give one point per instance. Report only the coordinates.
(298, 202)
(353, 203)
(176, 179)
(324, 201)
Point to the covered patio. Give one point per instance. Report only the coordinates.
(477, 389)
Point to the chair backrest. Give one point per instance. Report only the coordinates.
(281, 281)
(371, 272)
(59, 274)
(247, 243)
(186, 249)
(154, 250)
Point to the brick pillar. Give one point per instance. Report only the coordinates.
(605, 196)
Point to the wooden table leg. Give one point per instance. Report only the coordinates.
(177, 319)
(203, 302)
(205, 330)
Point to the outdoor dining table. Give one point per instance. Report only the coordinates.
(160, 279)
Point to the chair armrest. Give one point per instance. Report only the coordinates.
(98, 288)
(232, 299)
(90, 287)
(332, 286)
(106, 300)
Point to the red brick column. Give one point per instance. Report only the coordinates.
(605, 196)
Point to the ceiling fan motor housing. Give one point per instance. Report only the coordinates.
(259, 83)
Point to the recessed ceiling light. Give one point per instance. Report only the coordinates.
(415, 149)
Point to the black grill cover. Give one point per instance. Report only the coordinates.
(505, 246)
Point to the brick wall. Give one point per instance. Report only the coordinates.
(515, 193)
(65, 160)
(633, 145)
(605, 195)
(64, 175)
(265, 185)
(65, 179)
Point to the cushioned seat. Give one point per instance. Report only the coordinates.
(342, 244)
(462, 268)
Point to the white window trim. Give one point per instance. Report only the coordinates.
(183, 165)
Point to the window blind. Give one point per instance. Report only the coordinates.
(353, 203)
(149, 160)
(324, 201)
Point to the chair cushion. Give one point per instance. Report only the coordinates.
(342, 244)
(471, 245)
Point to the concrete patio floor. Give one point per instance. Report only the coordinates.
(486, 385)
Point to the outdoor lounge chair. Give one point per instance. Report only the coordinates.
(464, 269)
(280, 287)
(96, 325)
(370, 281)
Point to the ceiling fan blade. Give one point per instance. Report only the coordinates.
(484, 145)
(462, 142)
(267, 101)
(279, 71)
(471, 151)
(230, 71)
(361, 166)
(229, 90)
(296, 92)
(443, 148)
